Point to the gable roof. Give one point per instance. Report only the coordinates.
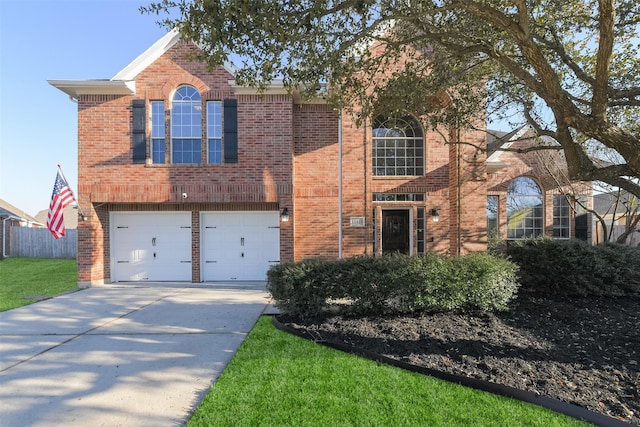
(123, 83)
(7, 210)
(159, 48)
(499, 140)
(604, 203)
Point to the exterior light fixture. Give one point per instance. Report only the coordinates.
(284, 215)
(434, 215)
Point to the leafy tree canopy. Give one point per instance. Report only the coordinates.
(569, 68)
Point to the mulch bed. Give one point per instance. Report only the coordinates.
(585, 351)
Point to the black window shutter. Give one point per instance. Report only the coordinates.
(230, 134)
(138, 131)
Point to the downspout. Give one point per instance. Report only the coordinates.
(459, 193)
(339, 184)
(365, 230)
(4, 234)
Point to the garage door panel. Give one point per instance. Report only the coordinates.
(239, 245)
(154, 246)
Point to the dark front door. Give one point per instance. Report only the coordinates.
(395, 231)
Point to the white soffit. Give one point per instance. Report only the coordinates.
(75, 88)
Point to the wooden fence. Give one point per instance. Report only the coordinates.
(39, 243)
(632, 240)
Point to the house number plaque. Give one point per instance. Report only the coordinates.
(356, 221)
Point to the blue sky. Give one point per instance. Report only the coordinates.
(44, 40)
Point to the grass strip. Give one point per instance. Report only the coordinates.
(277, 379)
(26, 280)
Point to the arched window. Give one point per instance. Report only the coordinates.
(398, 147)
(186, 126)
(525, 212)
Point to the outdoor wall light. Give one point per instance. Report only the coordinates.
(434, 215)
(284, 215)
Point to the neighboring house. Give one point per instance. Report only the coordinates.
(619, 211)
(70, 214)
(186, 176)
(11, 216)
(529, 194)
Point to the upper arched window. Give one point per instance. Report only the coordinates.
(186, 126)
(398, 146)
(525, 209)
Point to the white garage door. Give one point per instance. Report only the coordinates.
(154, 246)
(239, 245)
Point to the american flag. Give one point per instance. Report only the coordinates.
(60, 199)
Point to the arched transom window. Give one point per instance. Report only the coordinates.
(398, 147)
(186, 126)
(525, 209)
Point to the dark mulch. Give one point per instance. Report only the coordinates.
(585, 351)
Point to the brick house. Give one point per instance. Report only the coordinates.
(186, 176)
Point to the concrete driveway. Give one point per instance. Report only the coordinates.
(122, 354)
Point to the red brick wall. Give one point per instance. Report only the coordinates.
(315, 213)
(262, 177)
(467, 192)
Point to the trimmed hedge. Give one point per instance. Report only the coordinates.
(564, 268)
(393, 284)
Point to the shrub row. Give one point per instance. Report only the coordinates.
(564, 268)
(393, 284)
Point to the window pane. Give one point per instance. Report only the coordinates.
(492, 215)
(525, 213)
(420, 222)
(157, 132)
(157, 151)
(214, 119)
(186, 151)
(186, 126)
(397, 143)
(214, 154)
(561, 217)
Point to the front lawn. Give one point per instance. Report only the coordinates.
(277, 379)
(26, 280)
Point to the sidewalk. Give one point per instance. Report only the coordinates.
(122, 354)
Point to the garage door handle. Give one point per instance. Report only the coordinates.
(123, 262)
(211, 262)
(274, 261)
(185, 262)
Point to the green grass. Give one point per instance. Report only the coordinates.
(25, 277)
(277, 379)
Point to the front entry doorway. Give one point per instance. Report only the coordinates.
(395, 231)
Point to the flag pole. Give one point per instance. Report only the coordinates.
(82, 215)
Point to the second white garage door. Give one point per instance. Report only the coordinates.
(239, 245)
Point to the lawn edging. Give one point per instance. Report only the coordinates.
(556, 405)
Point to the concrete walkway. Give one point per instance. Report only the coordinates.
(122, 354)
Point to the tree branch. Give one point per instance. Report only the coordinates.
(605, 50)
